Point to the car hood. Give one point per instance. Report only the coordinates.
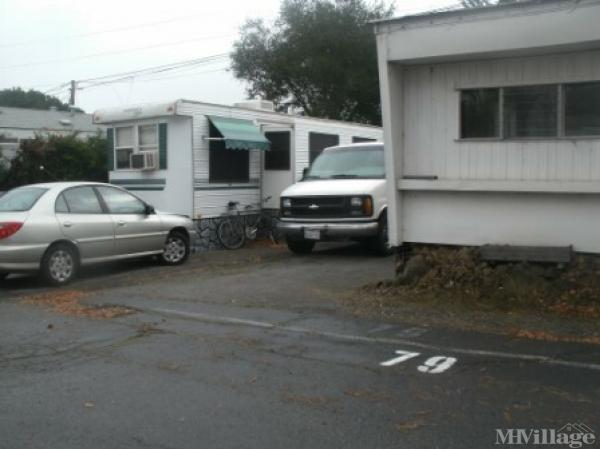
(326, 187)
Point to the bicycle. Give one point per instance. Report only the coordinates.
(235, 228)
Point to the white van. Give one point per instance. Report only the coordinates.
(342, 196)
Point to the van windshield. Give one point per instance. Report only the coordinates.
(21, 199)
(349, 163)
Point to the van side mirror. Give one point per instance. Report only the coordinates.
(305, 172)
(150, 210)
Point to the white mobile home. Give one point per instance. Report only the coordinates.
(194, 158)
(492, 125)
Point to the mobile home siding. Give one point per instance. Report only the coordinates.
(304, 126)
(210, 199)
(431, 111)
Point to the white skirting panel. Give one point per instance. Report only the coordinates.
(470, 218)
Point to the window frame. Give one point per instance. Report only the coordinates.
(311, 159)
(103, 208)
(560, 123)
(288, 166)
(136, 147)
(105, 205)
(215, 146)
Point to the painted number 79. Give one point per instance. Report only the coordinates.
(433, 365)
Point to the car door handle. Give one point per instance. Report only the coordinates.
(67, 224)
(121, 223)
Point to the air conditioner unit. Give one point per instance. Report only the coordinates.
(145, 160)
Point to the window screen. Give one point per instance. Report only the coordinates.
(278, 157)
(479, 113)
(362, 139)
(227, 165)
(318, 142)
(582, 109)
(531, 111)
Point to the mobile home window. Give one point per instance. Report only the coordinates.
(147, 137)
(356, 139)
(531, 111)
(278, 157)
(480, 113)
(317, 142)
(582, 109)
(124, 146)
(227, 165)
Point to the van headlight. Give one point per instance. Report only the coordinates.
(286, 202)
(361, 206)
(356, 201)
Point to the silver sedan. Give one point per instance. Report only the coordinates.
(55, 228)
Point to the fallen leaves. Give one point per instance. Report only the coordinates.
(68, 302)
(552, 337)
(413, 423)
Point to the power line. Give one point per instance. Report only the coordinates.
(129, 50)
(110, 30)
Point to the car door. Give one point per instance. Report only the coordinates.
(83, 221)
(135, 230)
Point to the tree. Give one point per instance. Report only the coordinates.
(319, 55)
(57, 158)
(32, 99)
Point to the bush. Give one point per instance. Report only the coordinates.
(56, 158)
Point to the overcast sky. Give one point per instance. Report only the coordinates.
(45, 43)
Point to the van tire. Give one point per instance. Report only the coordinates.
(380, 244)
(301, 246)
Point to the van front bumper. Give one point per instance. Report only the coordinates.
(328, 231)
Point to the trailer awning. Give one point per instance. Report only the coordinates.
(240, 134)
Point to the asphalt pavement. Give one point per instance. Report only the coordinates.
(253, 349)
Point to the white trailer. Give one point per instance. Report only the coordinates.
(492, 125)
(194, 158)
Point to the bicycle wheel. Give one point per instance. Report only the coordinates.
(231, 233)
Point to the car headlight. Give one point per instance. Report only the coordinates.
(286, 202)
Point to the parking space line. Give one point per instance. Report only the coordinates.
(363, 339)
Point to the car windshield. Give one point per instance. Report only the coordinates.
(21, 199)
(349, 163)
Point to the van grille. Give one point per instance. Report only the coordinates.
(320, 207)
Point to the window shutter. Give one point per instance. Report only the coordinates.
(110, 149)
(162, 145)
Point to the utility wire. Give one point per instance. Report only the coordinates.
(129, 50)
(110, 30)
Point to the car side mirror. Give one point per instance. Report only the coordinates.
(150, 210)
(304, 172)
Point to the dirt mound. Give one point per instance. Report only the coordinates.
(458, 275)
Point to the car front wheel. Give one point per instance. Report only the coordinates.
(177, 249)
(300, 246)
(60, 264)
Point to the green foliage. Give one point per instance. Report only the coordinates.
(62, 158)
(31, 99)
(319, 55)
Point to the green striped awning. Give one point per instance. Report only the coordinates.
(240, 134)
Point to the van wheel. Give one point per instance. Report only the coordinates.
(381, 243)
(177, 249)
(60, 265)
(300, 246)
